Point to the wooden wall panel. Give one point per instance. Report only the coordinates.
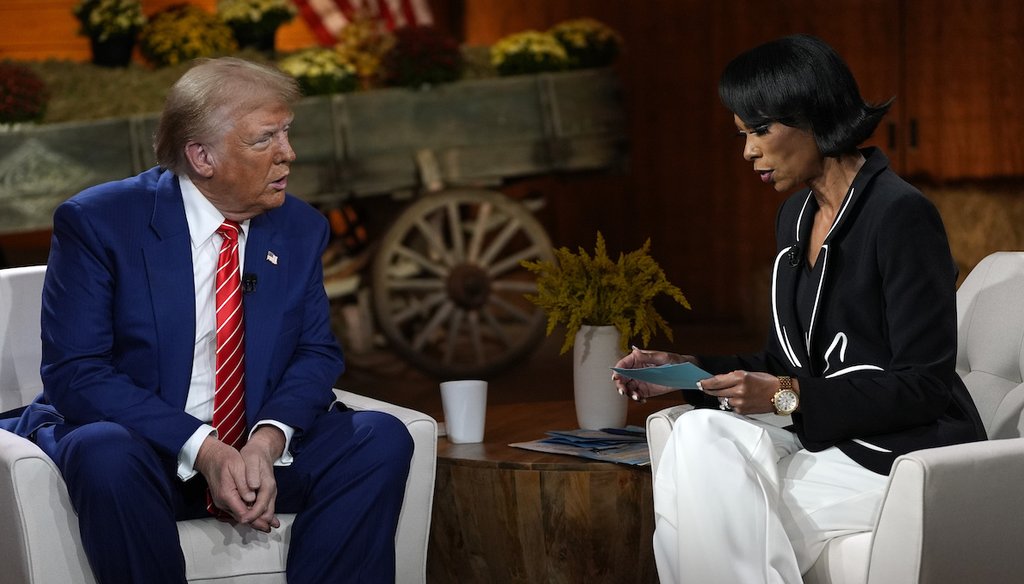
(688, 188)
(669, 194)
(37, 29)
(964, 89)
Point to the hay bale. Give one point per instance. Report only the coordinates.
(980, 220)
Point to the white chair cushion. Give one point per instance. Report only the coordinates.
(20, 344)
(218, 551)
(990, 340)
(843, 561)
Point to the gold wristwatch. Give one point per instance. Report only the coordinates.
(785, 401)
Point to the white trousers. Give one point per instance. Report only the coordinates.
(739, 501)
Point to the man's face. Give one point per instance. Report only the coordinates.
(251, 162)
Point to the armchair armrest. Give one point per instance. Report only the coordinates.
(40, 540)
(952, 514)
(37, 515)
(414, 522)
(659, 427)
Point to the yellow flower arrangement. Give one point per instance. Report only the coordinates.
(577, 289)
(103, 19)
(277, 12)
(528, 52)
(320, 71)
(255, 22)
(184, 32)
(588, 42)
(363, 44)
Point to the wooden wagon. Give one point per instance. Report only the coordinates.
(447, 288)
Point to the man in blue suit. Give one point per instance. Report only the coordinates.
(129, 336)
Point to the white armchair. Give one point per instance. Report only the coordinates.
(952, 514)
(40, 541)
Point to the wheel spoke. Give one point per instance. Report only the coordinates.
(432, 326)
(475, 338)
(416, 284)
(510, 308)
(421, 261)
(479, 230)
(512, 261)
(435, 240)
(454, 324)
(418, 306)
(517, 286)
(455, 229)
(499, 242)
(495, 326)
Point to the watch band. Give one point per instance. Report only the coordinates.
(785, 389)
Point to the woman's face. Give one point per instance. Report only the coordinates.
(783, 156)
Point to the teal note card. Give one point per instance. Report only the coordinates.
(681, 375)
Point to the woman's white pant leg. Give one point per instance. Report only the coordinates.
(715, 500)
(826, 495)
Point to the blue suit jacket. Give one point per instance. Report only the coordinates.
(118, 318)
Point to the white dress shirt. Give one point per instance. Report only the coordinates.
(203, 220)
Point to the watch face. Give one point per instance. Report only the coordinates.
(786, 401)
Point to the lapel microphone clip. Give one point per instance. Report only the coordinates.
(794, 256)
(248, 283)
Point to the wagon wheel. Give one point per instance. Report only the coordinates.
(447, 284)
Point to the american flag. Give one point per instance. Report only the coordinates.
(326, 18)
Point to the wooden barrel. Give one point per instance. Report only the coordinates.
(503, 514)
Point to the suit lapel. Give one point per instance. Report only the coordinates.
(266, 259)
(168, 260)
(874, 163)
(784, 274)
(786, 290)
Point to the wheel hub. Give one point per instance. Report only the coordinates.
(469, 286)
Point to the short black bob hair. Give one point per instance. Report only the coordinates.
(801, 82)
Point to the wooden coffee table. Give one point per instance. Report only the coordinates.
(504, 514)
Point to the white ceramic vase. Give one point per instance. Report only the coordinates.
(598, 404)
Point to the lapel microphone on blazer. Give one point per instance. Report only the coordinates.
(793, 253)
(248, 283)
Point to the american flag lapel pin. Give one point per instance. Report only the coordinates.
(272, 257)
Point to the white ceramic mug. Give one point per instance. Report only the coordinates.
(465, 409)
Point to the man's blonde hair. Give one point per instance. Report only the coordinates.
(203, 103)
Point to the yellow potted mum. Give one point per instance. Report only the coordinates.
(528, 52)
(603, 303)
(111, 26)
(255, 22)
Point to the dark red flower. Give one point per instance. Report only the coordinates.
(23, 95)
(422, 55)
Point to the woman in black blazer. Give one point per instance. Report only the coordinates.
(861, 352)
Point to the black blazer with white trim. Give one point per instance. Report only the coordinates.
(876, 366)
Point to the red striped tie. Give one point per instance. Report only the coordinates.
(229, 395)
